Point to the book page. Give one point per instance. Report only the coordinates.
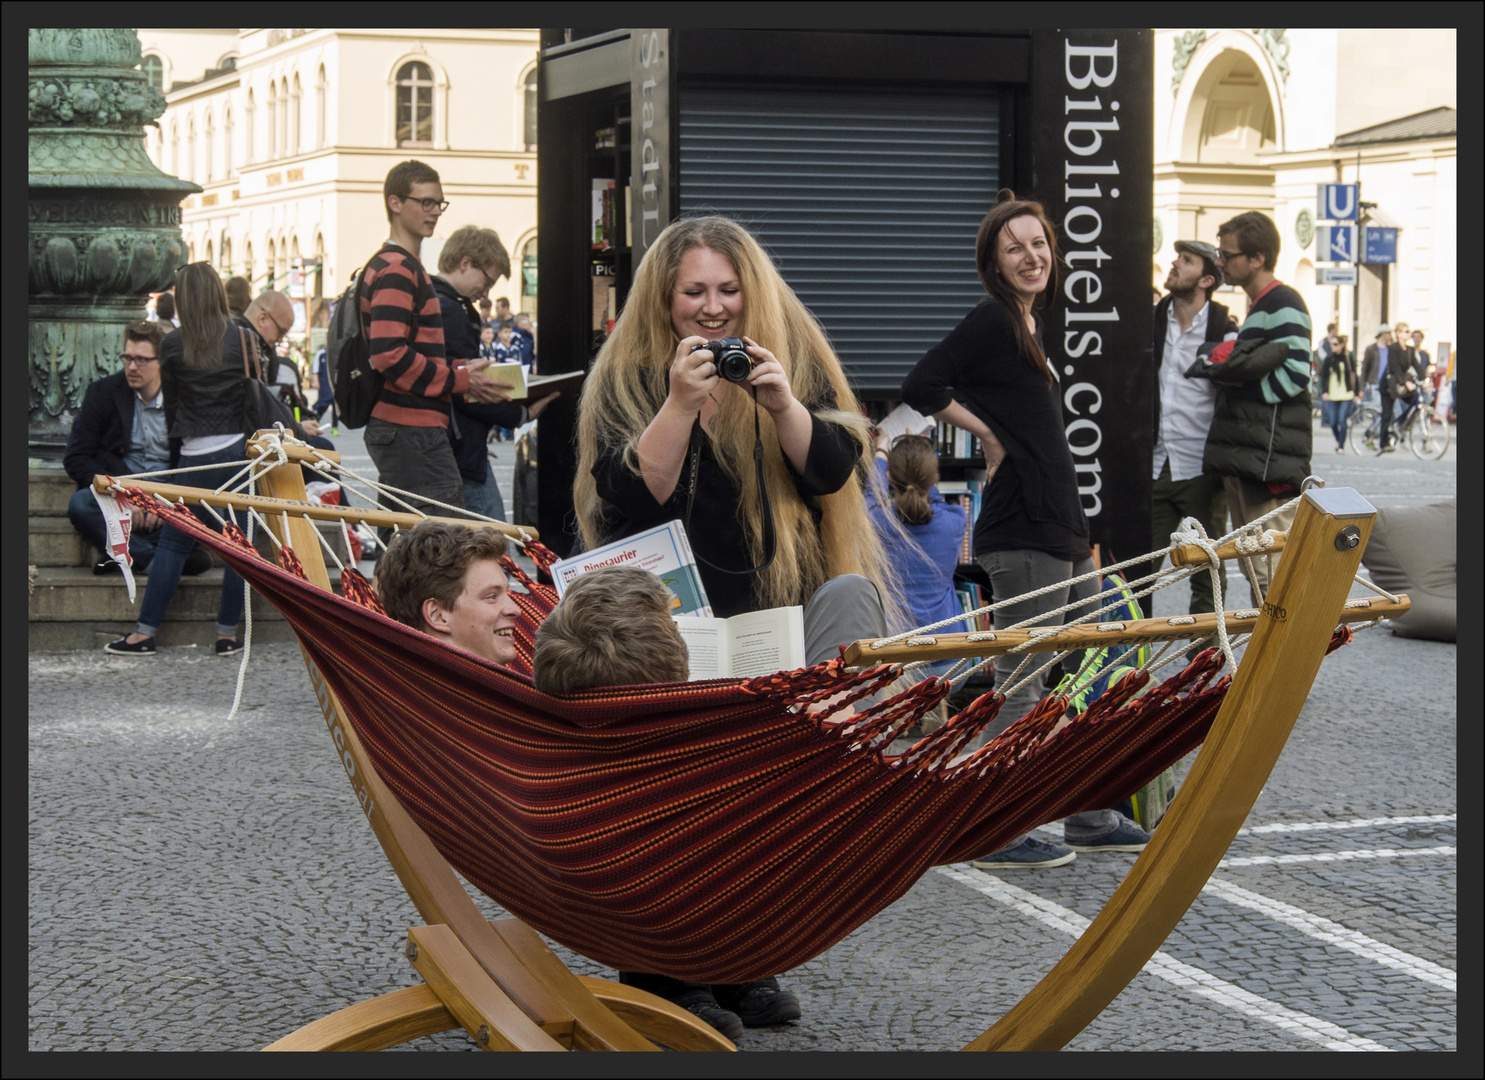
(706, 644)
(510, 373)
(762, 642)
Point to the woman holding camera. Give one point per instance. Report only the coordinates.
(991, 377)
(663, 435)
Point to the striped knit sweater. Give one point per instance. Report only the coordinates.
(406, 332)
(1279, 314)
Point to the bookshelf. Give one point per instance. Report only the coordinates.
(610, 262)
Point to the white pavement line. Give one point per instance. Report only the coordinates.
(1354, 823)
(1164, 966)
(1335, 934)
(1331, 856)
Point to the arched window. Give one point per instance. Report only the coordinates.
(247, 131)
(209, 149)
(227, 63)
(190, 170)
(295, 262)
(227, 144)
(272, 147)
(531, 110)
(226, 250)
(295, 118)
(318, 289)
(247, 261)
(209, 259)
(283, 118)
(175, 149)
(415, 104)
(322, 90)
(154, 70)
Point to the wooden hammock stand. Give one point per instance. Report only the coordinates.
(500, 982)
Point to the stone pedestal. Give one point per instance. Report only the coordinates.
(104, 222)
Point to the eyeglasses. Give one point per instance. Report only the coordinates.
(282, 330)
(1223, 256)
(489, 281)
(136, 361)
(428, 205)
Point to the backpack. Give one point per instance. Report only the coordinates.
(355, 382)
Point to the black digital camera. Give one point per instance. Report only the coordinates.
(731, 357)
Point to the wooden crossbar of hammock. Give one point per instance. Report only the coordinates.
(626, 822)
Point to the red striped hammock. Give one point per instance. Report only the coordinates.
(713, 831)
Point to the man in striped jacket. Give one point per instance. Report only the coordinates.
(407, 435)
(1261, 435)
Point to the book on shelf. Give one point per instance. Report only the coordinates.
(606, 138)
(754, 643)
(955, 442)
(664, 551)
(605, 211)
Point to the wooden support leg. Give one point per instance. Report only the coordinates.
(389, 1020)
(1301, 611)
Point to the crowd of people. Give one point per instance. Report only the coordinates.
(803, 502)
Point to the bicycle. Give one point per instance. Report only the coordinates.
(1426, 435)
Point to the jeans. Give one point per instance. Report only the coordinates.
(174, 545)
(87, 518)
(417, 460)
(1337, 415)
(485, 498)
(1248, 500)
(1013, 573)
(1172, 500)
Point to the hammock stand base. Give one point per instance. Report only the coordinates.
(504, 986)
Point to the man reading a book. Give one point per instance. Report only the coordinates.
(446, 581)
(613, 628)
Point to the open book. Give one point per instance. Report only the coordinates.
(905, 420)
(756, 643)
(524, 387)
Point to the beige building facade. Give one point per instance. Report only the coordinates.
(290, 133)
(1257, 119)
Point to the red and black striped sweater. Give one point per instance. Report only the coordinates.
(407, 348)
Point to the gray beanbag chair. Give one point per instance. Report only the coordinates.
(1413, 549)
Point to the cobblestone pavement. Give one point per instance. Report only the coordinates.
(196, 883)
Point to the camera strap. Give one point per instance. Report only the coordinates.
(770, 539)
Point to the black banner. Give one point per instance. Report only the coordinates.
(1092, 144)
(650, 119)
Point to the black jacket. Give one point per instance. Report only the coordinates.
(209, 401)
(1343, 361)
(1220, 323)
(101, 433)
(1257, 440)
(472, 420)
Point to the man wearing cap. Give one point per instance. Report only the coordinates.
(1184, 319)
(1381, 355)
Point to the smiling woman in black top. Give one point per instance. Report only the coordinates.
(991, 376)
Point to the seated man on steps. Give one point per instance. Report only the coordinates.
(120, 430)
(613, 628)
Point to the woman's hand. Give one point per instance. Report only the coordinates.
(768, 379)
(693, 375)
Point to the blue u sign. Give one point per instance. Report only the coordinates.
(1337, 202)
(1379, 244)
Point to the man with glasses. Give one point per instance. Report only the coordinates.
(407, 435)
(120, 430)
(1262, 427)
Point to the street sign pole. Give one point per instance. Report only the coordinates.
(1356, 288)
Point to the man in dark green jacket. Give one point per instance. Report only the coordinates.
(1261, 436)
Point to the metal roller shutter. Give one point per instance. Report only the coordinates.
(868, 202)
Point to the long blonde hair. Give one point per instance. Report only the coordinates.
(627, 386)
